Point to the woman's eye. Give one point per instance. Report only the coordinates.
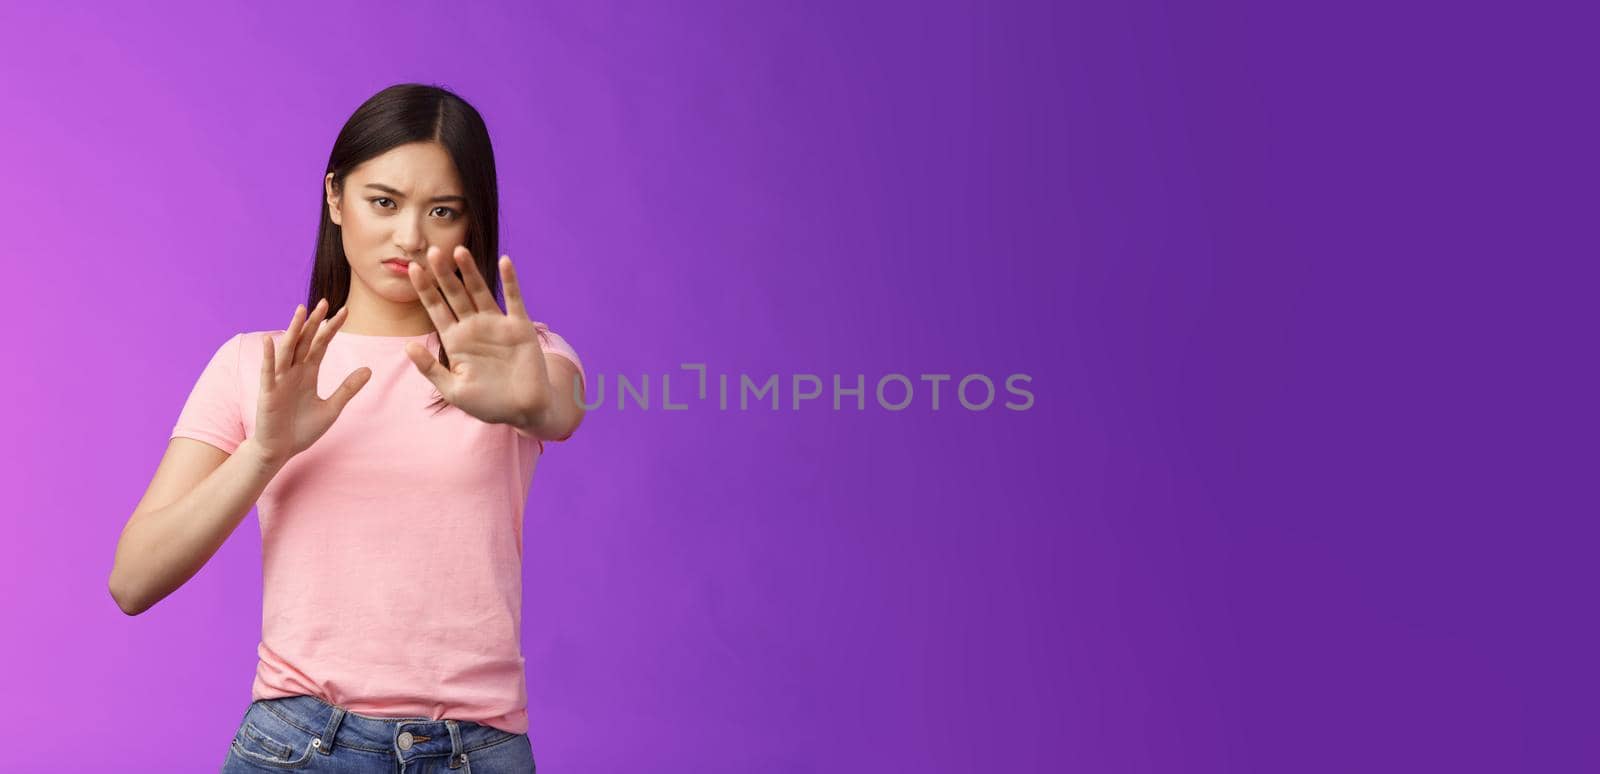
(450, 214)
(378, 201)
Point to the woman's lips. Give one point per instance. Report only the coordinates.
(398, 267)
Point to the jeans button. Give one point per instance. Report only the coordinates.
(405, 740)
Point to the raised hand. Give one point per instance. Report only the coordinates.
(497, 371)
(289, 416)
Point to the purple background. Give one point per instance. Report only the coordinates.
(1296, 493)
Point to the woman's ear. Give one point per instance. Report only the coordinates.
(333, 199)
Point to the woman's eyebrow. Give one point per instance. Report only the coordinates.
(393, 192)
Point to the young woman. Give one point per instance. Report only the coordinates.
(391, 511)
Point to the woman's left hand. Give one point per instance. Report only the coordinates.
(497, 369)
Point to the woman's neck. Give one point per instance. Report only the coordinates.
(373, 315)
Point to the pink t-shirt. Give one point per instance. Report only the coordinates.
(392, 548)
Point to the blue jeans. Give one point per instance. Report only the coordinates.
(307, 734)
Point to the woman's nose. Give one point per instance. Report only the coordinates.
(408, 237)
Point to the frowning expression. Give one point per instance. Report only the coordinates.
(392, 208)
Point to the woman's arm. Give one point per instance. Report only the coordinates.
(200, 493)
(565, 412)
(197, 498)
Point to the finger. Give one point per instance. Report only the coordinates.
(266, 364)
(444, 271)
(482, 296)
(438, 311)
(351, 385)
(320, 346)
(431, 368)
(513, 290)
(285, 355)
(313, 326)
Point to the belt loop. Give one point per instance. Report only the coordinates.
(456, 756)
(324, 743)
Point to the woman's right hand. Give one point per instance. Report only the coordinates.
(289, 415)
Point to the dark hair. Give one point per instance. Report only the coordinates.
(401, 114)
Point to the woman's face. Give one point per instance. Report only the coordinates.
(396, 206)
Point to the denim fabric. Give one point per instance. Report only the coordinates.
(304, 733)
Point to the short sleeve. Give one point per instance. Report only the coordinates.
(552, 343)
(212, 413)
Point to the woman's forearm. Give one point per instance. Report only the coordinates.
(162, 549)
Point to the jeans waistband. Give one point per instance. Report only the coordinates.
(340, 727)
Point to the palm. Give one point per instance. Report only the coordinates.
(289, 415)
(496, 365)
(497, 369)
(296, 405)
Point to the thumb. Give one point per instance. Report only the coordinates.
(430, 367)
(348, 389)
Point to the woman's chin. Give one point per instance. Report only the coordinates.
(396, 290)
(406, 296)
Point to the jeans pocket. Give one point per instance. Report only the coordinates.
(253, 739)
(268, 740)
(511, 753)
